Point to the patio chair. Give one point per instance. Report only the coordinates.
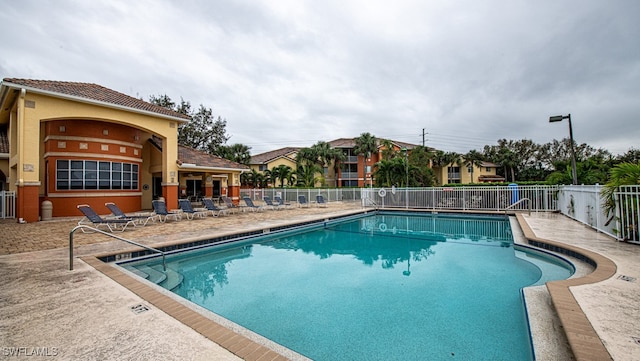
(302, 201)
(278, 200)
(269, 203)
(211, 207)
(251, 206)
(139, 219)
(160, 208)
(187, 209)
(230, 206)
(320, 202)
(92, 217)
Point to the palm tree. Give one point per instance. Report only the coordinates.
(473, 159)
(307, 156)
(238, 153)
(620, 175)
(335, 157)
(268, 177)
(306, 175)
(282, 172)
(365, 145)
(388, 151)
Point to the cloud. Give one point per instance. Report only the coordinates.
(287, 73)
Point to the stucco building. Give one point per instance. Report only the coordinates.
(80, 143)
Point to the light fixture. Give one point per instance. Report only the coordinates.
(559, 118)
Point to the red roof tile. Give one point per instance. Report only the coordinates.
(204, 159)
(266, 157)
(91, 92)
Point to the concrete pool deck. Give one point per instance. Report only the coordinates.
(48, 310)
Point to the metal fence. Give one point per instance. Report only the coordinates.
(583, 203)
(627, 200)
(7, 204)
(291, 194)
(491, 198)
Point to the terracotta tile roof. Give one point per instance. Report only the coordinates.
(204, 159)
(351, 143)
(4, 141)
(343, 143)
(489, 165)
(91, 92)
(200, 158)
(266, 157)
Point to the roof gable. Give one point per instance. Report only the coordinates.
(91, 92)
(267, 157)
(199, 158)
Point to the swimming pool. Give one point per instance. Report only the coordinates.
(377, 287)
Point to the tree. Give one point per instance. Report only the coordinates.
(237, 152)
(473, 159)
(388, 150)
(253, 179)
(420, 161)
(204, 131)
(631, 156)
(391, 172)
(306, 175)
(365, 145)
(283, 173)
(621, 174)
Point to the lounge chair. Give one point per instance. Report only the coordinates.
(320, 202)
(211, 207)
(231, 207)
(278, 201)
(251, 206)
(92, 217)
(160, 208)
(139, 219)
(269, 203)
(187, 209)
(302, 201)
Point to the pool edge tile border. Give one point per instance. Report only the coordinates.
(583, 339)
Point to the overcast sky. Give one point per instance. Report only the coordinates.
(291, 73)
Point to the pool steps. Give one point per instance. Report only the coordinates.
(169, 279)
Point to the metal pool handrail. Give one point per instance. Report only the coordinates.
(518, 202)
(164, 265)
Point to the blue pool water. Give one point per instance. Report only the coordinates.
(428, 287)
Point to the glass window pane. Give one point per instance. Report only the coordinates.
(76, 174)
(62, 164)
(62, 174)
(90, 165)
(77, 164)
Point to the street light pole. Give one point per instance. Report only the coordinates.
(559, 118)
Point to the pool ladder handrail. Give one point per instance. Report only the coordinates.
(518, 202)
(376, 206)
(83, 227)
